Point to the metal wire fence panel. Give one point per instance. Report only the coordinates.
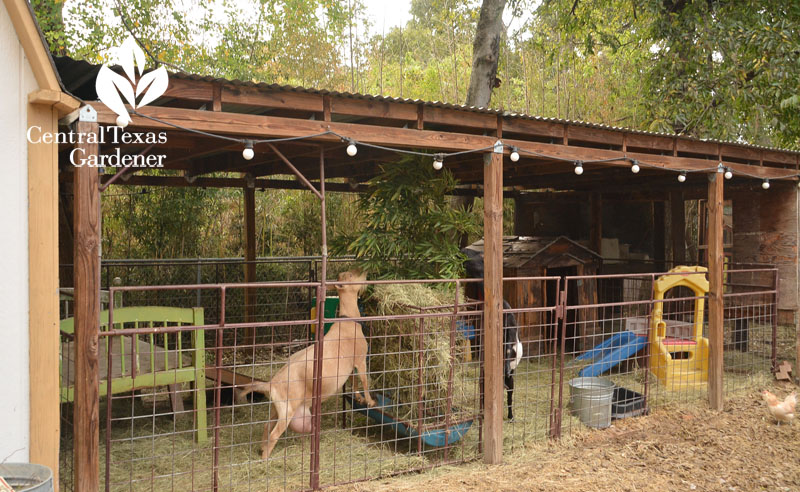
(753, 340)
(603, 348)
(209, 271)
(177, 431)
(643, 343)
(590, 349)
(533, 317)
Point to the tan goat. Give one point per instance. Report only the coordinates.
(291, 389)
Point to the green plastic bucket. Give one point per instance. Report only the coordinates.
(331, 306)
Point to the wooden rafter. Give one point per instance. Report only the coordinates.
(257, 126)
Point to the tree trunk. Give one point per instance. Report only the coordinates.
(485, 53)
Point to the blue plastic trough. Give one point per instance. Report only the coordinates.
(381, 413)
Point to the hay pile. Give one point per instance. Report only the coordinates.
(396, 347)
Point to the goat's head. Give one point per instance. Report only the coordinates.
(351, 276)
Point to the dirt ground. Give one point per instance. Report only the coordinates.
(739, 449)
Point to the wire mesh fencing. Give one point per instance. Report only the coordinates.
(641, 342)
(578, 352)
(532, 369)
(173, 421)
(753, 341)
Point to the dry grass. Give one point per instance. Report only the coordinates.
(405, 366)
(678, 447)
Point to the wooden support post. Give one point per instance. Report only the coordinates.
(43, 292)
(493, 307)
(249, 261)
(87, 314)
(678, 225)
(596, 226)
(715, 302)
(659, 235)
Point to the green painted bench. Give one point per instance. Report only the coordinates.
(161, 359)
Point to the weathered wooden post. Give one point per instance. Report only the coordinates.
(87, 306)
(249, 262)
(493, 304)
(715, 302)
(678, 225)
(659, 235)
(596, 225)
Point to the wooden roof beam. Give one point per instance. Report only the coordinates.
(272, 127)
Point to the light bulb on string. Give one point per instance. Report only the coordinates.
(682, 177)
(578, 168)
(352, 149)
(728, 173)
(438, 161)
(635, 167)
(248, 151)
(514, 154)
(765, 184)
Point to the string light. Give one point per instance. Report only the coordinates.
(438, 161)
(122, 122)
(248, 151)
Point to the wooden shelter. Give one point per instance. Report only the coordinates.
(525, 256)
(316, 126)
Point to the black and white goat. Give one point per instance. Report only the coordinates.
(512, 347)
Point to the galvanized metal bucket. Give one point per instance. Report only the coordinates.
(27, 477)
(590, 399)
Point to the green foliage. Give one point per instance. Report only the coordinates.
(701, 67)
(169, 222)
(727, 69)
(410, 228)
(706, 68)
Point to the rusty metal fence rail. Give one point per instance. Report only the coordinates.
(424, 369)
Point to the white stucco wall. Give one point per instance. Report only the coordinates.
(16, 81)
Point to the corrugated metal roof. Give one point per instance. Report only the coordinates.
(461, 107)
(67, 63)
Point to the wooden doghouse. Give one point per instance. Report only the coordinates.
(525, 256)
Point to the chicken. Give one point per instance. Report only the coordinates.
(783, 411)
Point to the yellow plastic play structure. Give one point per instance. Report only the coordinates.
(678, 350)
